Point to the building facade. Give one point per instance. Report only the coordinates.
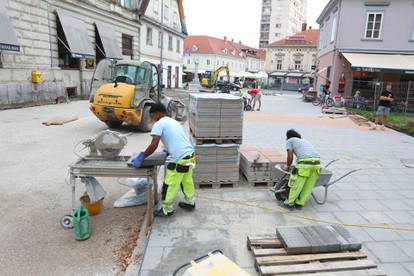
(210, 53)
(61, 41)
(290, 61)
(364, 41)
(281, 18)
(166, 32)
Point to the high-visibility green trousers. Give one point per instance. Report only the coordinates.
(172, 183)
(302, 181)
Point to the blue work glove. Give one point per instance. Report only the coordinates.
(137, 160)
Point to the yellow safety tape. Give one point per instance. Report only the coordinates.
(303, 217)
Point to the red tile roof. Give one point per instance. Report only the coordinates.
(203, 44)
(308, 37)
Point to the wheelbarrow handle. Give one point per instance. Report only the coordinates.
(196, 260)
(342, 177)
(331, 162)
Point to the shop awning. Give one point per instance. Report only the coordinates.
(78, 41)
(403, 64)
(294, 74)
(8, 38)
(278, 74)
(110, 45)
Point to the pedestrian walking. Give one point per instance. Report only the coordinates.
(306, 172)
(256, 95)
(179, 171)
(384, 107)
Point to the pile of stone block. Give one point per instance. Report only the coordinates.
(216, 126)
(317, 239)
(217, 164)
(258, 165)
(216, 116)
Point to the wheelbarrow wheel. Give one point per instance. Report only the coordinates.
(67, 221)
(282, 189)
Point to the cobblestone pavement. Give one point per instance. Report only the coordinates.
(382, 193)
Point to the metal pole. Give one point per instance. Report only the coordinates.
(162, 43)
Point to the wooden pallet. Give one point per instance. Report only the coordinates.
(272, 259)
(255, 183)
(216, 140)
(215, 185)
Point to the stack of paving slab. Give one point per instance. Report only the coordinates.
(217, 165)
(258, 165)
(317, 239)
(216, 116)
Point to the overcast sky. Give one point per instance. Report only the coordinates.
(237, 19)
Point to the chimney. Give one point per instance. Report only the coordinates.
(310, 27)
(225, 39)
(304, 26)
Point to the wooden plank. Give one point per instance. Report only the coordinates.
(316, 267)
(365, 272)
(305, 258)
(254, 241)
(258, 252)
(266, 243)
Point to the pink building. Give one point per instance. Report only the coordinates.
(365, 41)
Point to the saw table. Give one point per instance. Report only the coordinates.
(97, 166)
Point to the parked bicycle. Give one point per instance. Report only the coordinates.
(321, 99)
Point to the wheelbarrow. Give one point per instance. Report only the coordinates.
(281, 188)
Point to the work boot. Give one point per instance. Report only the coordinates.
(287, 205)
(298, 207)
(186, 206)
(160, 213)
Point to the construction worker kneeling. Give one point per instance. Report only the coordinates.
(179, 171)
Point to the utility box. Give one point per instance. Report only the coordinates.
(36, 77)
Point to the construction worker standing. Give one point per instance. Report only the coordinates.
(181, 161)
(306, 171)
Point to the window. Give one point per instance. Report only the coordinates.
(218, 62)
(166, 13)
(149, 36)
(178, 46)
(156, 4)
(65, 57)
(374, 25)
(298, 65)
(160, 39)
(127, 45)
(170, 43)
(278, 26)
(175, 20)
(333, 33)
(208, 62)
(126, 3)
(279, 64)
(277, 34)
(188, 61)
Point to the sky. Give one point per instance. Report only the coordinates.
(236, 19)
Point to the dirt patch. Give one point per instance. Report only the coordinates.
(123, 252)
(324, 121)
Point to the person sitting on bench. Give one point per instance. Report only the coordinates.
(306, 171)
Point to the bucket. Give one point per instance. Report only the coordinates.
(81, 226)
(93, 208)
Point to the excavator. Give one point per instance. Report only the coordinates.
(210, 78)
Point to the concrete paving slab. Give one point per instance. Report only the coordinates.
(398, 205)
(395, 269)
(409, 267)
(387, 252)
(407, 247)
(383, 235)
(373, 205)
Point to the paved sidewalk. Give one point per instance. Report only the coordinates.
(382, 193)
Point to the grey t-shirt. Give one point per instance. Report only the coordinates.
(302, 148)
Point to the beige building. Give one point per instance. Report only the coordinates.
(281, 18)
(63, 40)
(210, 53)
(170, 38)
(290, 61)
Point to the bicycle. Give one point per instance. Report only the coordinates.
(323, 99)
